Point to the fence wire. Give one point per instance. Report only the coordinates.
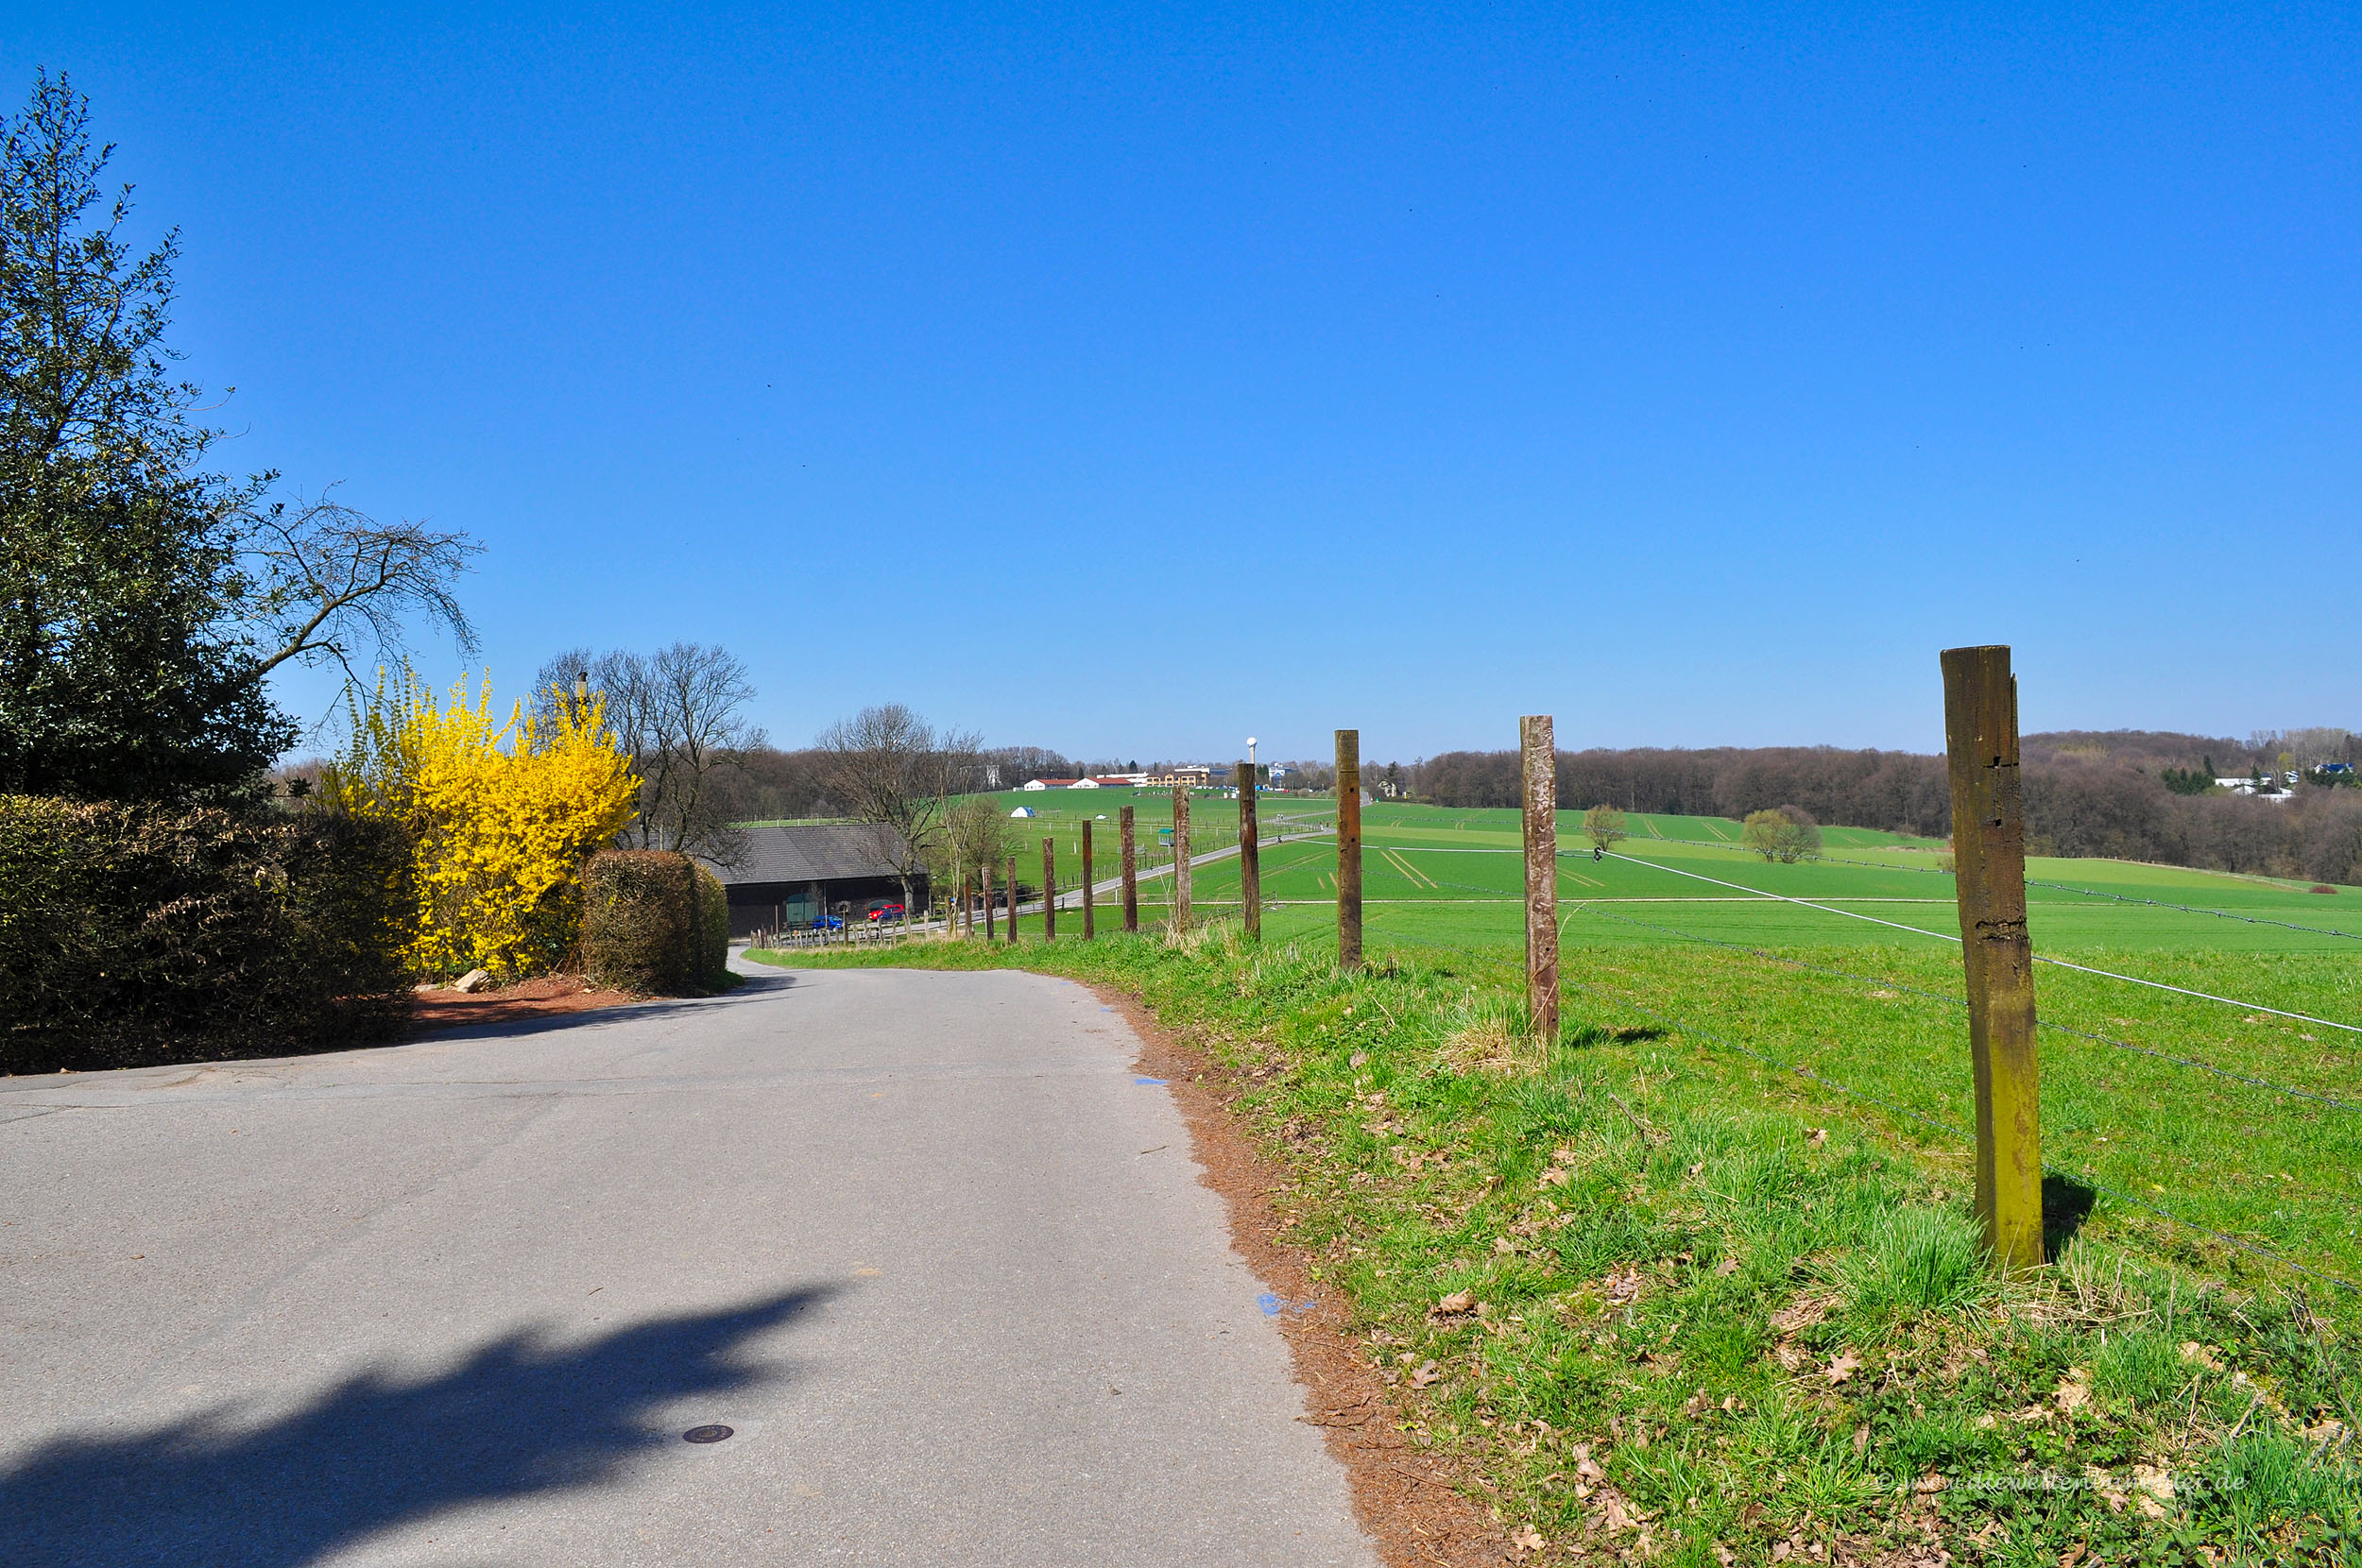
(1584, 907)
(1947, 936)
(2055, 887)
(1869, 1098)
(2067, 1173)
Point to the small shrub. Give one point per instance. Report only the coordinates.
(1786, 835)
(640, 922)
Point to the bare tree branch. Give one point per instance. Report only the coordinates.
(332, 585)
(895, 771)
(678, 715)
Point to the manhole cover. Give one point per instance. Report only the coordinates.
(705, 1434)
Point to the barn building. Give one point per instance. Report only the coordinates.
(788, 877)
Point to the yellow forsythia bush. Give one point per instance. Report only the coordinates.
(501, 815)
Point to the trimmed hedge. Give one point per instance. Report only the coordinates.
(712, 953)
(655, 923)
(133, 935)
(638, 913)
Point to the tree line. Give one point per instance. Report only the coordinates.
(2087, 793)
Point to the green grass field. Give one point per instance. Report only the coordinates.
(1671, 931)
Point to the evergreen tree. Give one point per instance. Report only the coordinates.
(124, 671)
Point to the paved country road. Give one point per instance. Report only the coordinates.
(920, 1240)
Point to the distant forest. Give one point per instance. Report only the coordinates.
(2114, 793)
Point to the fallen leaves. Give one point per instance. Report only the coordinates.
(1526, 1539)
(2074, 1390)
(1818, 1135)
(1842, 1367)
(1800, 1315)
(1453, 1305)
(2153, 1489)
(1426, 1375)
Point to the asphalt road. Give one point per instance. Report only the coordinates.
(920, 1240)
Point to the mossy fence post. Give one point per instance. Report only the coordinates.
(1088, 922)
(1049, 889)
(990, 929)
(1349, 848)
(1012, 901)
(1128, 847)
(1540, 791)
(1996, 953)
(1250, 861)
(1180, 857)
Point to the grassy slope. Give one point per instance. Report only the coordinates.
(1756, 1335)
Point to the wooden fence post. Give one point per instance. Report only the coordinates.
(1130, 852)
(1181, 857)
(1349, 848)
(1988, 856)
(985, 876)
(1012, 901)
(1088, 921)
(1049, 889)
(1535, 740)
(1250, 859)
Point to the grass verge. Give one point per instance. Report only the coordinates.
(1667, 1304)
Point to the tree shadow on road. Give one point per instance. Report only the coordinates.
(520, 1416)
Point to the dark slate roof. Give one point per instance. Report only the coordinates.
(818, 852)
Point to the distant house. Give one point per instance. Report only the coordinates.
(790, 877)
(1084, 784)
(1112, 781)
(1195, 777)
(1051, 784)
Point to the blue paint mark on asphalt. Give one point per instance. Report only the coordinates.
(1156, 1080)
(1273, 1306)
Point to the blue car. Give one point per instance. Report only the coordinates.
(827, 923)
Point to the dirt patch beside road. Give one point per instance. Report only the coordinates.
(543, 997)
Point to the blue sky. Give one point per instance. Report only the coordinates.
(1129, 381)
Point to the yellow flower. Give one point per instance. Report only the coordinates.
(501, 816)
